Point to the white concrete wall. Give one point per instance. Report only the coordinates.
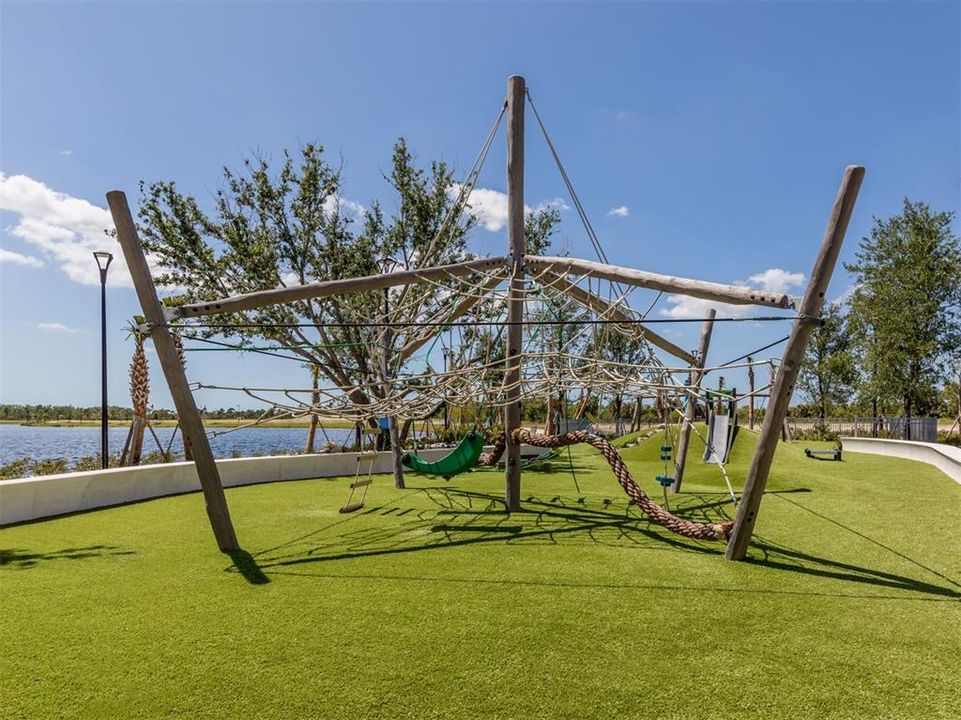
(944, 457)
(49, 495)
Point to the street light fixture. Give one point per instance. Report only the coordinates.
(103, 262)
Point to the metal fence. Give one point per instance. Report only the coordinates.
(924, 429)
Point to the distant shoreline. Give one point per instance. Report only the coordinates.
(336, 423)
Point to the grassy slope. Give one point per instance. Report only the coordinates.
(432, 603)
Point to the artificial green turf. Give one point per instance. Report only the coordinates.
(432, 602)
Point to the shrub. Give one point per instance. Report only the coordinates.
(49, 466)
(15, 469)
(949, 439)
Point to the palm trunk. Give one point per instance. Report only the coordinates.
(139, 399)
(137, 428)
(314, 400)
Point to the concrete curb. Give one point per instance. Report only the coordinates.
(944, 457)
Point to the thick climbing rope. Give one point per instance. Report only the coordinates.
(699, 531)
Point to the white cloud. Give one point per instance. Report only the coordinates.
(289, 279)
(18, 259)
(845, 294)
(621, 211)
(555, 203)
(57, 327)
(336, 203)
(771, 280)
(66, 153)
(777, 280)
(490, 206)
(66, 229)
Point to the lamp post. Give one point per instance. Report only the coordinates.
(103, 262)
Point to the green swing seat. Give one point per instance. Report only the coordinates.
(458, 460)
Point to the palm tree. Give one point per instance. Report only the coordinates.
(139, 391)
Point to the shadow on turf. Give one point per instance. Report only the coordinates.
(246, 565)
(484, 521)
(26, 559)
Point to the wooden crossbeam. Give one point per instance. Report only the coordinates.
(717, 292)
(594, 302)
(346, 286)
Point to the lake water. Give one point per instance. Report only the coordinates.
(37, 443)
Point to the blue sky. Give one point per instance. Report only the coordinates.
(723, 128)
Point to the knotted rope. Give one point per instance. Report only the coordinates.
(699, 531)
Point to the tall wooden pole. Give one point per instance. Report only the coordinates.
(190, 423)
(516, 95)
(392, 429)
(697, 375)
(790, 364)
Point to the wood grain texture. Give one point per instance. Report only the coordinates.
(516, 97)
(345, 286)
(717, 292)
(791, 363)
(190, 422)
(697, 375)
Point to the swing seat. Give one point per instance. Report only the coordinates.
(665, 480)
(458, 460)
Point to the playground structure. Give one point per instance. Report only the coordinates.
(519, 292)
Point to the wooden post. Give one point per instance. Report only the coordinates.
(697, 375)
(191, 425)
(392, 429)
(809, 310)
(516, 96)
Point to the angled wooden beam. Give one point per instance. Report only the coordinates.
(346, 286)
(716, 292)
(190, 423)
(597, 304)
(697, 375)
(787, 373)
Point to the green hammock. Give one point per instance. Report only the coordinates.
(458, 460)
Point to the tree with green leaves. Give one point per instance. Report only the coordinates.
(272, 229)
(287, 225)
(905, 310)
(829, 374)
